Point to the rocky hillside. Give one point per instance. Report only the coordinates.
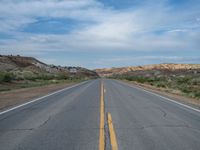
(150, 69)
(29, 67)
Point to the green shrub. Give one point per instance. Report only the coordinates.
(162, 85)
(183, 80)
(45, 77)
(28, 75)
(189, 85)
(197, 94)
(6, 77)
(63, 77)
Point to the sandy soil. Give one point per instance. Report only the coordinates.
(164, 92)
(15, 97)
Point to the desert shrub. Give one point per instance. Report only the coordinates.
(28, 75)
(45, 77)
(141, 79)
(183, 80)
(161, 84)
(188, 85)
(6, 76)
(62, 76)
(185, 89)
(196, 81)
(197, 94)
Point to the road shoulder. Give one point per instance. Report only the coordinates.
(12, 98)
(179, 98)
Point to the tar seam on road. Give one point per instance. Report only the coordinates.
(171, 100)
(101, 129)
(34, 100)
(113, 139)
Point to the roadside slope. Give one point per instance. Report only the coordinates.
(179, 79)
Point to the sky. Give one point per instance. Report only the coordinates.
(101, 33)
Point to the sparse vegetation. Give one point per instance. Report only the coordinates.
(6, 77)
(22, 72)
(25, 79)
(188, 85)
(6, 86)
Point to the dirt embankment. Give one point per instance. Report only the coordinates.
(16, 97)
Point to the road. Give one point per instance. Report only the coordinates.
(101, 114)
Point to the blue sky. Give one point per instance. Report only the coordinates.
(102, 33)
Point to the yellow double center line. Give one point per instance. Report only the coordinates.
(113, 139)
(112, 134)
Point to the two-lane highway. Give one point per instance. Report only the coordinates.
(101, 114)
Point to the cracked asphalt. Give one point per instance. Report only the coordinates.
(69, 120)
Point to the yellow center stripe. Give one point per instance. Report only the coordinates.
(113, 138)
(101, 131)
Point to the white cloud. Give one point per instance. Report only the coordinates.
(17, 14)
(110, 30)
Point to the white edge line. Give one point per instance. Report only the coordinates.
(140, 88)
(37, 99)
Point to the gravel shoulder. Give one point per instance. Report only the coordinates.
(15, 97)
(164, 92)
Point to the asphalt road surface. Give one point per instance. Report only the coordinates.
(71, 120)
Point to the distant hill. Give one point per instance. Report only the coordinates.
(149, 70)
(22, 67)
(181, 79)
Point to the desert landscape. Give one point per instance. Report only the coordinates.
(181, 79)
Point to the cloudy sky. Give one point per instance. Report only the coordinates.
(102, 33)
